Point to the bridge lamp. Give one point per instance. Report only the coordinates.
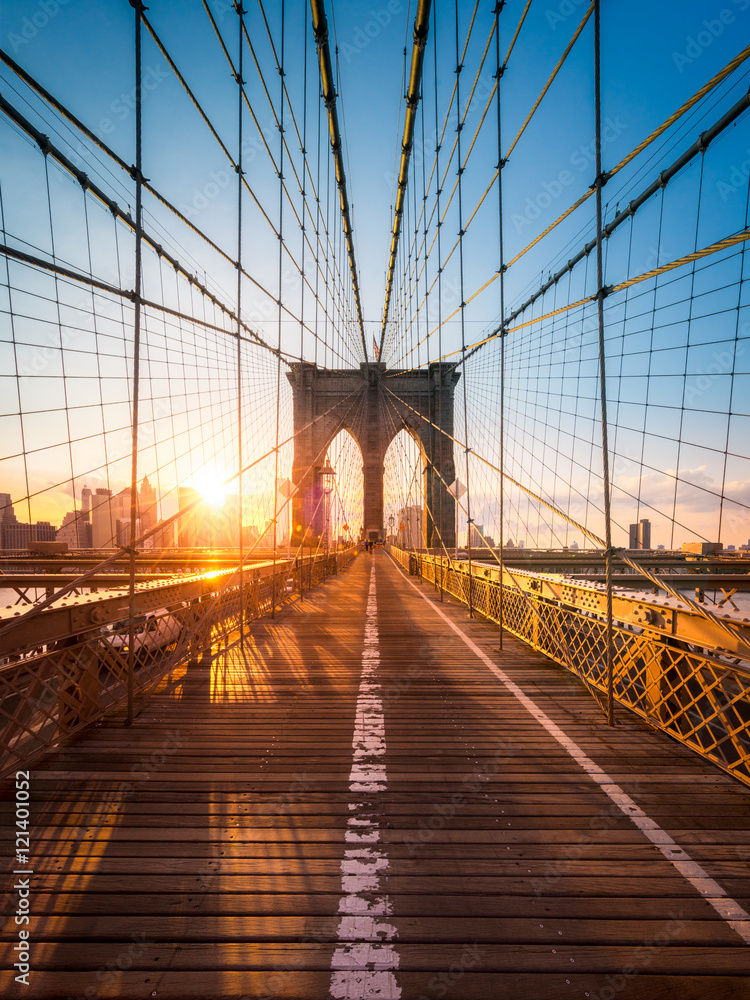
(327, 474)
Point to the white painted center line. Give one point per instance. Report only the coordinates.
(363, 963)
(727, 908)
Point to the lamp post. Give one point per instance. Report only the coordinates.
(327, 473)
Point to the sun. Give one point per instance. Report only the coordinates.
(210, 488)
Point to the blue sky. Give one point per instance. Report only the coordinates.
(654, 57)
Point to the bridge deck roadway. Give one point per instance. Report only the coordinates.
(289, 822)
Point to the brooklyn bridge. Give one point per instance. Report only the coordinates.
(375, 499)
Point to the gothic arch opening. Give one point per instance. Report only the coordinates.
(403, 490)
(324, 402)
(347, 497)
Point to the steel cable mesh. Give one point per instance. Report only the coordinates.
(51, 691)
(669, 682)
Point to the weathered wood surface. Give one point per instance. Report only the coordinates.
(198, 854)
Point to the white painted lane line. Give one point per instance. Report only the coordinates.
(363, 963)
(727, 908)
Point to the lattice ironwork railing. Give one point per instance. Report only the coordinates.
(51, 689)
(698, 695)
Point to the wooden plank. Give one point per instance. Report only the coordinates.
(226, 852)
(425, 929)
(291, 984)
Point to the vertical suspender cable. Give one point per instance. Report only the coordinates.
(320, 30)
(318, 216)
(240, 84)
(498, 76)
(600, 293)
(438, 224)
(430, 540)
(304, 198)
(138, 176)
(441, 441)
(421, 30)
(736, 351)
(278, 355)
(459, 169)
(305, 170)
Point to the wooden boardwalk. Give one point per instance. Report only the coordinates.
(358, 806)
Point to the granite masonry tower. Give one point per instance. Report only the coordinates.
(373, 405)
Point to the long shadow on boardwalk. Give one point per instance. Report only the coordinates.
(198, 853)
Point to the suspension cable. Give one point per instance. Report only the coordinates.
(320, 30)
(421, 31)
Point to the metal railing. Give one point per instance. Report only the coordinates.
(67, 666)
(670, 667)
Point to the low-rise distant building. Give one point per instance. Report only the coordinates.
(702, 548)
(15, 534)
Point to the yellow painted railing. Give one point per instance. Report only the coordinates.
(66, 666)
(671, 667)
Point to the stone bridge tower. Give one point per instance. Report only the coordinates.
(369, 403)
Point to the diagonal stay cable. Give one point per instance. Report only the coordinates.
(118, 553)
(722, 244)
(523, 128)
(162, 48)
(628, 560)
(49, 148)
(320, 31)
(675, 116)
(553, 629)
(697, 148)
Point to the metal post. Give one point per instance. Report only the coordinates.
(498, 76)
(240, 84)
(600, 293)
(459, 170)
(278, 357)
(137, 174)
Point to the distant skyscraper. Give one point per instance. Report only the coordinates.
(283, 521)
(410, 527)
(187, 525)
(8, 520)
(7, 514)
(640, 535)
(147, 507)
(103, 526)
(479, 540)
(164, 537)
(75, 529)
